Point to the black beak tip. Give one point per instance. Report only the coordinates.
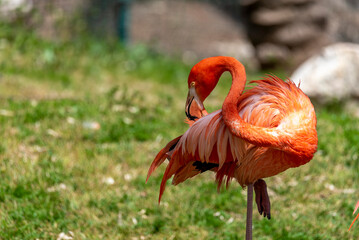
(187, 111)
(190, 117)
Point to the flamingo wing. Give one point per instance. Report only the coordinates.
(200, 149)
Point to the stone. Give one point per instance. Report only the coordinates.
(269, 53)
(291, 26)
(269, 17)
(191, 29)
(295, 34)
(333, 74)
(10, 9)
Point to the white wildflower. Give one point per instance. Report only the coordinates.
(165, 204)
(6, 113)
(307, 178)
(56, 188)
(70, 120)
(120, 221)
(53, 133)
(109, 181)
(133, 109)
(128, 177)
(293, 183)
(91, 125)
(143, 213)
(230, 220)
(334, 214)
(33, 103)
(349, 191)
(118, 108)
(127, 120)
(331, 187)
(63, 236)
(216, 214)
(159, 138)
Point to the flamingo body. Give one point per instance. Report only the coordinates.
(257, 134)
(271, 103)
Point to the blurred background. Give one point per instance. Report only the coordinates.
(263, 34)
(91, 90)
(279, 34)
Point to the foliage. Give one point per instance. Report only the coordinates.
(80, 124)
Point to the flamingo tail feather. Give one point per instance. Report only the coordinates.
(161, 156)
(356, 207)
(353, 222)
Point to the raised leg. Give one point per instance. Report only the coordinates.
(262, 198)
(249, 212)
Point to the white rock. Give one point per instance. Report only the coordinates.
(7, 6)
(332, 74)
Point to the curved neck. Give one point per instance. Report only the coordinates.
(260, 136)
(229, 107)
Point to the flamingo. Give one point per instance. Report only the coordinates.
(356, 208)
(257, 134)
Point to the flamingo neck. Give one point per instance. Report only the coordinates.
(265, 137)
(229, 107)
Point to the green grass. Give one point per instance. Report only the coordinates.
(56, 173)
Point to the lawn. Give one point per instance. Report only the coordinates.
(81, 122)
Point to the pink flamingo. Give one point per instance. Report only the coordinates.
(257, 134)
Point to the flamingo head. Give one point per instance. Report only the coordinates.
(202, 79)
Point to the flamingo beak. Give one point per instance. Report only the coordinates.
(194, 107)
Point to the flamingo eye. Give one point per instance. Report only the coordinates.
(192, 84)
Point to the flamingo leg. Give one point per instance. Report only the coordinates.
(262, 198)
(249, 212)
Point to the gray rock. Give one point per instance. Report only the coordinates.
(268, 52)
(192, 29)
(295, 34)
(295, 27)
(269, 17)
(332, 74)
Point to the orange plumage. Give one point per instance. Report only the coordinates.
(264, 131)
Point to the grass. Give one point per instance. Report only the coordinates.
(81, 123)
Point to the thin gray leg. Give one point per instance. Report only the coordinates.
(249, 212)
